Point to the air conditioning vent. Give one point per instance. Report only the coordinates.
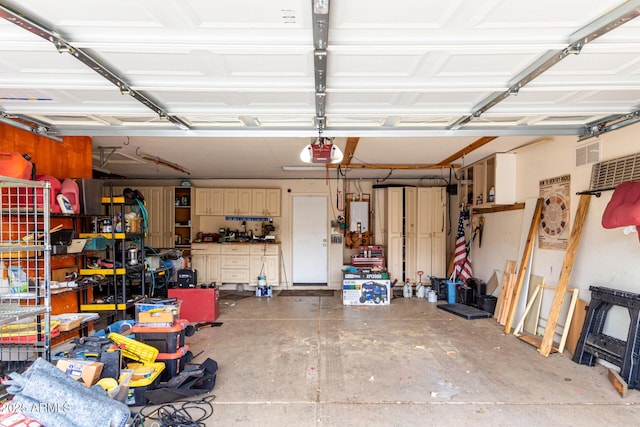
(610, 173)
(588, 154)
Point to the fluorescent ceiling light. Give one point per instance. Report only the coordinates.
(303, 168)
(296, 168)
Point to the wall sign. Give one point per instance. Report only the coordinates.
(554, 223)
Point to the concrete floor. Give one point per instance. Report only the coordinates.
(310, 361)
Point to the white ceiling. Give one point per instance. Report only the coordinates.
(240, 74)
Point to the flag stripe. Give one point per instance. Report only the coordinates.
(461, 260)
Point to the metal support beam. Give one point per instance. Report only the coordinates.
(609, 124)
(19, 122)
(611, 20)
(63, 46)
(320, 41)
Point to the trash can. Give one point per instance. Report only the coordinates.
(452, 286)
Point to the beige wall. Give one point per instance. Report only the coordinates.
(605, 257)
(283, 224)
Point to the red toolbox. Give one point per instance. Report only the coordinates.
(199, 305)
(166, 339)
(174, 362)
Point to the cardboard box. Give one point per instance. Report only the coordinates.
(366, 274)
(89, 371)
(366, 292)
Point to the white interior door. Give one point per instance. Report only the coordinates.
(310, 234)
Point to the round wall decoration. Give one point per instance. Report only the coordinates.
(555, 215)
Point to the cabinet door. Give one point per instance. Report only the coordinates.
(258, 202)
(267, 266)
(216, 201)
(394, 242)
(208, 201)
(155, 204)
(244, 201)
(265, 201)
(230, 201)
(169, 217)
(410, 209)
(504, 179)
(273, 201)
(394, 257)
(411, 259)
(202, 201)
(201, 264)
(393, 210)
(479, 183)
(432, 225)
(439, 232)
(208, 267)
(237, 201)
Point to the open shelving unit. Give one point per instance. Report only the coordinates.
(117, 300)
(25, 305)
(182, 218)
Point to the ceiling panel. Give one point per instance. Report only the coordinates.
(236, 80)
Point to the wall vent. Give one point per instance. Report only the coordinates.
(608, 174)
(588, 154)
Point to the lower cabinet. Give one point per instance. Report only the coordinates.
(236, 263)
(205, 258)
(265, 261)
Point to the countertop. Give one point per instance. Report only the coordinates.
(255, 242)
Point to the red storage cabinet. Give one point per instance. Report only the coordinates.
(198, 305)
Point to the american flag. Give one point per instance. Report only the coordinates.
(461, 260)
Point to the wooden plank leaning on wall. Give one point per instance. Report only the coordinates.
(565, 274)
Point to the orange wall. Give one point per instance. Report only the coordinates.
(69, 159)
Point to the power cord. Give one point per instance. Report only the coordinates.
(189, 413)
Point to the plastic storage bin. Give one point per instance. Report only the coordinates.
(166, 339)
(439, 286)
(134, 349)
(487, 303)
(174, 362)
(157, 313)
(137, 387)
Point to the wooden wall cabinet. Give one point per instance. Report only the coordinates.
(431, 243)
(414, 223)
(209, 201)
(159, 202)
(265, 202)
(490, 181)
(393, 235)
(237, 201)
